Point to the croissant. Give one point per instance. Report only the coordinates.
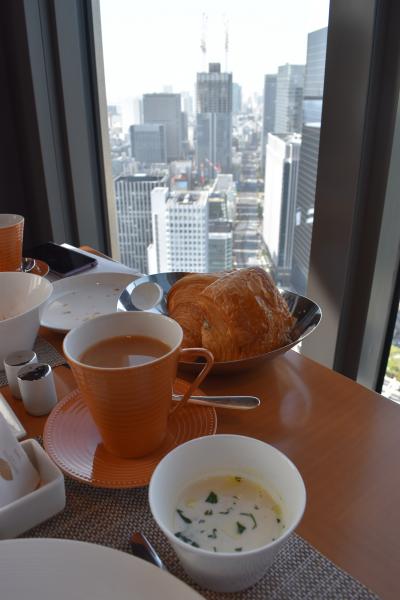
(237, 315)
(182, 306)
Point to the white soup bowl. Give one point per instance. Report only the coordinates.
(22, 296)
(226, 455)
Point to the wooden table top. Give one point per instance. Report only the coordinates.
(344, 439)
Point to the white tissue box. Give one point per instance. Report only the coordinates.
(37, 506)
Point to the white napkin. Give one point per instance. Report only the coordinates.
(18, 477)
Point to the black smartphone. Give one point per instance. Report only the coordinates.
(62, 261)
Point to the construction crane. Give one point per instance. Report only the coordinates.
(203, 42)
(226, 25)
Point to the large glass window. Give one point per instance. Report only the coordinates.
(214, 116)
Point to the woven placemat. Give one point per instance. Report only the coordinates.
(45, 352)
(108, 517)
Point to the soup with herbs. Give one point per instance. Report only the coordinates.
(124, 351)
(227, 514)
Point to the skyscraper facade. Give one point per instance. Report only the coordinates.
(187, 103)
(289, 99)
(236, 98)
(281, 173)
(220, 233)
(133, 202)
(166, 109)
(308, 166)
(137, 111)
(268, 112)
(148, 143)
(180, 226)
(214, 122)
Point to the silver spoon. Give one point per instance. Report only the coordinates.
(236, 402)
(142, 548)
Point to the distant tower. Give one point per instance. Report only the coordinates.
(203, 42)
(214, 122)
(289, 99)
(148, 143)
(308, 165)
(165, 109)
(236, 98)
(133, 201)
(281, 173)
(268, 113)
(226, 23)
(180, 225)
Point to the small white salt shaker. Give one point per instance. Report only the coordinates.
(14, 363)
(38, 391)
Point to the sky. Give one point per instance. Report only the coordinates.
(149, 45)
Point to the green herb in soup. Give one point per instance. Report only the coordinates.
(244, 515)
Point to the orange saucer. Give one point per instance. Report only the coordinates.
(72, 440)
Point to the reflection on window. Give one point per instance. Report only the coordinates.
(214, 122)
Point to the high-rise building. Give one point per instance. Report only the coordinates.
(187, 103)
(224, 184)
(308, 166)
(166, 109)
(114, 115)
(148, 143)
(236, 98)
(220, 233)
(214, 122)
(137, 111)
(281, 172)
(180, 226)
(268, 112)
(289, 99)
(220, 245)
(185, 134)
(180, 173)
(133, 202)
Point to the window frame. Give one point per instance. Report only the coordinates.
(61, 65)
(358, 121)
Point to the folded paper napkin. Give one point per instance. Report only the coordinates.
(18, 476)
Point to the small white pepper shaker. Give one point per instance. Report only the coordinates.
(38, 391)
(14, 363)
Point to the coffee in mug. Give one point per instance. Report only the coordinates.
(130, 403)
(124, 351)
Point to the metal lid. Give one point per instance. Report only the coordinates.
(34, 372)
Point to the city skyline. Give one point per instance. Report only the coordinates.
(280, 40)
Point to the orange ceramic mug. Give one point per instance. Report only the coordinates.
(131, 405)
(11, 236)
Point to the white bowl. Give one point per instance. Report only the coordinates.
(22, 296)
(217, 455)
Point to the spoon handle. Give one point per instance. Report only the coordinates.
(141, 547)
(236, 402)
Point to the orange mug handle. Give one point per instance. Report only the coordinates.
(194, 353)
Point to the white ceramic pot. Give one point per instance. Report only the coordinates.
(226, 454)
(22, 296)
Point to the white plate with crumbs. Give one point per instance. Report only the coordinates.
(83, 297)
(46, 569)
